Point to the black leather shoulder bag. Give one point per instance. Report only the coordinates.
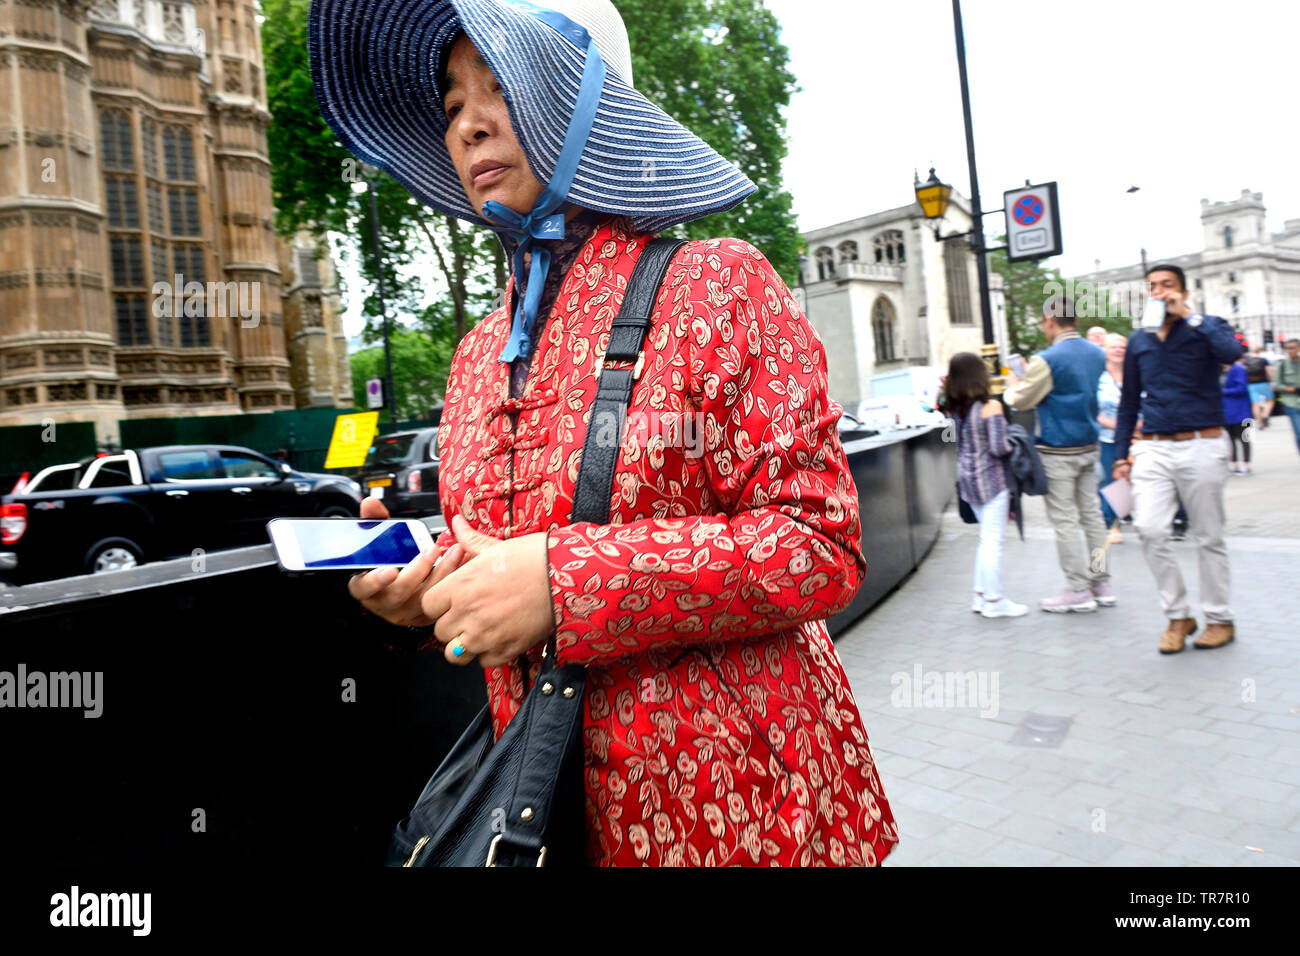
(519, 801)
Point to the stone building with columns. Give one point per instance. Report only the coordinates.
(133, 157)
(1244, 273)
(884, 294)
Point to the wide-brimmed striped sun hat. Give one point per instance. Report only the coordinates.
(375, 65)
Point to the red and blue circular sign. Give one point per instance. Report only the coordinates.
(1027, 210)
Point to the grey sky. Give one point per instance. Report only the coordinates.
(1186, 100)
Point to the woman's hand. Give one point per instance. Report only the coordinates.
(1105, 422)
(394, 593)
(498, 602)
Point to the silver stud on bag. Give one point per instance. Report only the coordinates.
(526, 814)
(568, 692)
(548, 688)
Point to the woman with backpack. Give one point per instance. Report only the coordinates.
(982, 450)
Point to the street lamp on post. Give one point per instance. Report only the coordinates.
(371, 174)
(933, 197)
(803, 289)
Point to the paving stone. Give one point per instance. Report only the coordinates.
(1243, 714)
(1141, 856)
(944, 778)
(1002, 770)
(907, 746)
(1281, 721)
(1232, 785)
(1278, 842)
(1142, 833)
(1016, 853)
(916, 826)
(977, 813)
(1088, 847)
(966, 840)
(1209, 852)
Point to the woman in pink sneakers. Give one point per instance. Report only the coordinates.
(981, 451)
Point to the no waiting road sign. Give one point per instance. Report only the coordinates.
(1033, 222)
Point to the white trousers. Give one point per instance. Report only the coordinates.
(988, 556)
(1194, 470)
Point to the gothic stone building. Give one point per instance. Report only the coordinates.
(883, 294)
(132, 152)
(1244, 273)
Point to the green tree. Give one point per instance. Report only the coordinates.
(420, 367)
(1027, 286)
(719, 67)
(319, 186)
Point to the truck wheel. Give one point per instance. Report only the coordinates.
(336, 512)
(113, 554)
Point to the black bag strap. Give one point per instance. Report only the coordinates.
(552, 749)
(594, 490)
(554, 721)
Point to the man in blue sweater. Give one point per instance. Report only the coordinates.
(1171, 375)
(1061, 382)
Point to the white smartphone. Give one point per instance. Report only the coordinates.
(1016, 363)
(344, 544)
(1153, 316)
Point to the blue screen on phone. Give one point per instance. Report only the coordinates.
(337, 543)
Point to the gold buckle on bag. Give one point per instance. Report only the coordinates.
(636, 369)
(410, 861)
(492, 852)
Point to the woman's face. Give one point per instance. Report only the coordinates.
(1115, 353)
(480, 139)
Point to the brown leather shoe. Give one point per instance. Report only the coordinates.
(1179, 629)
(1216, 635)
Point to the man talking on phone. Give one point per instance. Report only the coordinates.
(1171, 375)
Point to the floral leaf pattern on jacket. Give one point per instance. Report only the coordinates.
(720, 728)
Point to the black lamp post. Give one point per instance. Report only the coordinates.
(372, 179)
(933, 197)
(803, 261)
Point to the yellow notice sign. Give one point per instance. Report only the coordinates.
(353, 435)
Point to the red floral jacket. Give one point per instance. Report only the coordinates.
(719, 726)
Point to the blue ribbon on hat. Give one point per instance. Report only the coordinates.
(544, 223)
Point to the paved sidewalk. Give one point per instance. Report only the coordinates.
(1186, 759)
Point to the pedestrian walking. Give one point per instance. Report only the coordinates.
(1108, 392)
(1171, 377)
(1061, 382)
(982, 450)
(718, 725)
(1237, 415)
(1286, 380)
(1259, 379)
(1097, 336)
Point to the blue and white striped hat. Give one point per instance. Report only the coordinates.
(375, 65)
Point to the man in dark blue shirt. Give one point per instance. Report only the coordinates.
(1171, 374)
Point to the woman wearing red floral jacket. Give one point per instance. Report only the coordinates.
(719, 728)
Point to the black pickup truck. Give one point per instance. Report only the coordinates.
(116, 511)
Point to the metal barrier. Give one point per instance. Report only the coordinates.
(249, 716)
